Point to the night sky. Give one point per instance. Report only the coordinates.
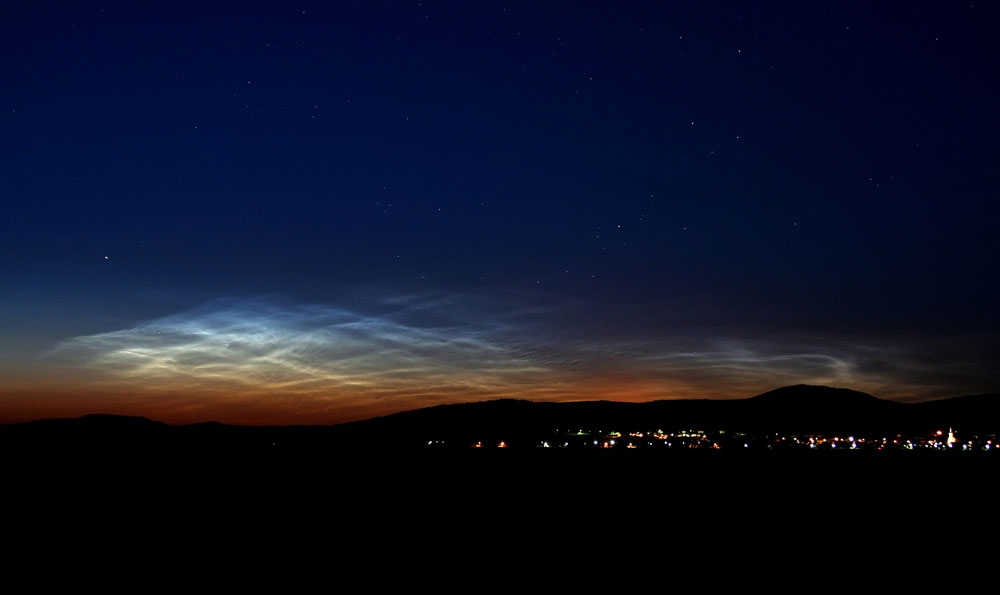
(281, 212)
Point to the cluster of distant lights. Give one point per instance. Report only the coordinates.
(937, 441)
(698, 439)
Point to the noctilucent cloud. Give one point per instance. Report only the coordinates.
(322, 212)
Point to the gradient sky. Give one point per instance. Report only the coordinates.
(297, 212)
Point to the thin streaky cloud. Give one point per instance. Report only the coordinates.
(448, 351)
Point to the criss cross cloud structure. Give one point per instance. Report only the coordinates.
(258, 346)
(317, 363)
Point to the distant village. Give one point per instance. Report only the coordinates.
(939, 440)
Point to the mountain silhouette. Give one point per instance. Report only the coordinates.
(800, 393)
(790, 410)
(821, 409)
(800, 409)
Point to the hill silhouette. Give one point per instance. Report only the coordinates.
(799, 409)
(215, 480)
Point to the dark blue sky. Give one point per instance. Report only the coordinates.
(561, 200)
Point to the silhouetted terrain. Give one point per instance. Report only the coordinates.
(416, 474)
(797, 409)
(793, 410)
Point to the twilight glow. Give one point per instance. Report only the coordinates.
(317, 213)
(267, 360)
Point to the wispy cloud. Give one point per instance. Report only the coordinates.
(418, 350)
(263, 345)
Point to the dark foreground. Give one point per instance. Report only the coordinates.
(431, 518)
(645, 485)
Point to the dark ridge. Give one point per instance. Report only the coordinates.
(519, 422)
(95, 428)
(795, 395)
(100, 420)
(821, 409)
(791, 410)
